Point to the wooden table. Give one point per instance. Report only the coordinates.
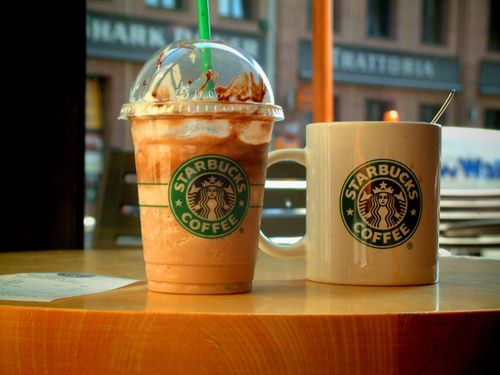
(285, 326)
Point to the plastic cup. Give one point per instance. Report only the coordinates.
(201, 161)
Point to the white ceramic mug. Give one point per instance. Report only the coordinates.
(372, 212)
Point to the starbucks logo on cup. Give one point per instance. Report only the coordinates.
(381, 203)
(209, 195)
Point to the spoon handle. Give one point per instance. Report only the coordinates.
(443, 107)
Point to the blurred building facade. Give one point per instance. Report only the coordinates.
(402, 55)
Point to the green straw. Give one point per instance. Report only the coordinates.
(205, 33)
(204, 20)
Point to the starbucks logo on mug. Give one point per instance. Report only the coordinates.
(209, 195)
(381, 203)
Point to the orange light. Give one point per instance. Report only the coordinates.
(391, 115)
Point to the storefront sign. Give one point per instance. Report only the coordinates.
(386, 68)
(470, 158)
(132, 39)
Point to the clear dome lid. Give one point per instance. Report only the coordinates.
(201, 77)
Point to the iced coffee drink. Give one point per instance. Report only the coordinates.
(201, 160)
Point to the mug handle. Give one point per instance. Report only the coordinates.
(298, 249)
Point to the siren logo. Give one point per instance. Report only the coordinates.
(381, 203)
(209, 195)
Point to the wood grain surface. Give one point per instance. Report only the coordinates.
(286, 325)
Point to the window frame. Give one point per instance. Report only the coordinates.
(493, 37)
(431, 109)
(386, 105)
(180, 5)
(377, 34)
(246, 5)
(489, 113)
(438, 22)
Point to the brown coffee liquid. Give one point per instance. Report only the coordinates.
(177, 260)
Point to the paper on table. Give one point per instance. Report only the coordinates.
(47, 287)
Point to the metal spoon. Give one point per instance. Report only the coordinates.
(443, 107)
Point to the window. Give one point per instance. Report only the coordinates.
(336, 108)
(433, 19)
(427, 112)
(165, 4)
(238, 9)
(375, 109)
(379, 20)
(336, 15)
(494, 26)
(94, 142)
(492, 119)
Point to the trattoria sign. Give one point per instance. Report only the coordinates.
(386, 68)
